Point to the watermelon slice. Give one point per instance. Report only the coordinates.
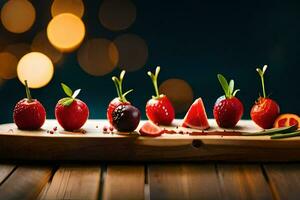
(196, 116)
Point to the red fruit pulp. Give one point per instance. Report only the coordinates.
(150, 129)
(29, 115)
(264, 112)
(160, 110)
(112, 106)
(228, 111)
(196, 116)
(72, 117)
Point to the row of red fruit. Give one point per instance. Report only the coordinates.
(72, 113)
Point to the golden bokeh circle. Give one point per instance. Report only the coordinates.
(41, 44)
(8, 65)
(133, 52)
(18, 16)
(36, 68)
(117, 15)
(75, 7)
(179, 92)
(66, 32)
(98, 56)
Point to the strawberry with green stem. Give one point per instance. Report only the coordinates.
(159, 109)
(121, 99)
(29, 113)
(228, 109)
(265, 110)
(70, 112)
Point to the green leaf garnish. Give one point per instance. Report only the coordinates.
(76, 93)
(272, 131)
(67, 90)
(119, 84)
(261, 73)
(228, 88)
(71, 96)
(287, 135)
(154, 78)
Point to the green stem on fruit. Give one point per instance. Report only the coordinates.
(28, 92)
(228, 88)
(118, 84)
(154, 81)
(261, 73)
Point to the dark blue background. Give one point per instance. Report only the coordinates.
(191, 40)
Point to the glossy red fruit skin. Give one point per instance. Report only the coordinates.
(160, 111)
(72, 117)
(264, 112)
(228, 111)
(29, 115)
(112, 106)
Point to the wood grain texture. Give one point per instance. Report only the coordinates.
(284, 180)
(5, 171)
(74, 182)
(183, 181)
(26, 182)
(124, 182)
(97, 146)
(243, 182)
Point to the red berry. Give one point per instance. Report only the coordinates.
(228, 111)
(72, 117)
(120, 100)
(151, 130)
(264, 112)
(71, 113)
(159, 109)
(112, 106)
(29, 115)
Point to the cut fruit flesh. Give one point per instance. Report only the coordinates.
(287, 120)
(196, 116)
(150, 129)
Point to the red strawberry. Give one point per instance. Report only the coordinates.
(265, 111)
(120, 100)
(71, 113)
(29, 114)
(151, 130)
(228, 109)
(159, 109)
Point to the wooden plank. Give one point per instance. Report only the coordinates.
(243, 182)
(284, 180)
(5, 171)
(124, 182)
(96, 146)
(26, 182)
(74, 182)
(183, 181)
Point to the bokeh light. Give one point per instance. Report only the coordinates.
(98, 57)
(41, 44)
(17, 16)
(8, 65)
(36, 68)
(66, 32)
(76, 7)
(18, 49)
(117, 15)
(133, 52)
(179, 92)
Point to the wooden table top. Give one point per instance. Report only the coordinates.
(150, 181)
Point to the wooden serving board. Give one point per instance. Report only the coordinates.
(95, 145)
